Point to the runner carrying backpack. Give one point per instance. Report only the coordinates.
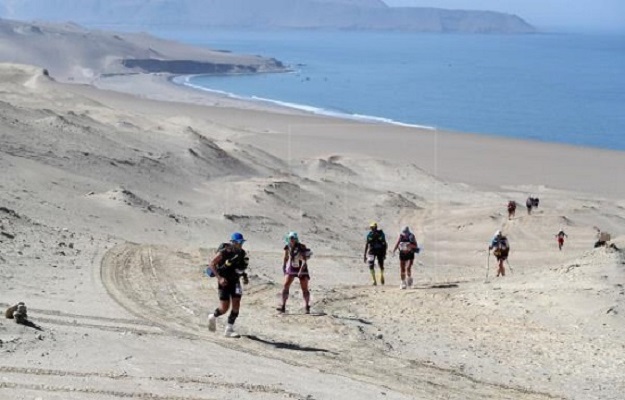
(501, 250)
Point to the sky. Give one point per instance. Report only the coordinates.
(590, 15)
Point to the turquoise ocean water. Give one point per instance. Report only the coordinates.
(566, 88)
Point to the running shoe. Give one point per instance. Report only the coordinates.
(229, 332)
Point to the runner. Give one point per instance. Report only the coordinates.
(295, 265)
(501, 249)
(407, 244)
(529, 203)
(560, 237)
(228, 266)
(511, 209)
(375, 249)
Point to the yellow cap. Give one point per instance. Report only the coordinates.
(373, 225)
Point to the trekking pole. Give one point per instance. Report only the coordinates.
(487, 265)
(510, 266)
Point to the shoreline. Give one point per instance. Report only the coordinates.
(295, 106)
(229, 99)
(505, 161)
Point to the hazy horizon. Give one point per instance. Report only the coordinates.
(595, 15)
(546, 15)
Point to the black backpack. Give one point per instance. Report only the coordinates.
(377, 241)
(502, 247)
(234, 260)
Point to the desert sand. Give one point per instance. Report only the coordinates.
(111, 204)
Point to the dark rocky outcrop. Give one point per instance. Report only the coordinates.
(184, 67)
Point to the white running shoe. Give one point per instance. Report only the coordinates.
(409, 281)
(212, 322)
(403, 285)
(229, 332)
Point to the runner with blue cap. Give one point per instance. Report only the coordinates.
(228, 266)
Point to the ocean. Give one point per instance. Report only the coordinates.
(567, 88)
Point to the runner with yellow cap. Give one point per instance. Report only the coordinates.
(375, 248)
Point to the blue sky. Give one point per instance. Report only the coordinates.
(597, 15)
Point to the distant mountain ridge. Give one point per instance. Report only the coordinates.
(274, 14)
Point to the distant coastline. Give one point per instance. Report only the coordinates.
(357, 15)
(424, 81)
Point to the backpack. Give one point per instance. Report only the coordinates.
(299, 253)
(224, 247)
(501, 247)
(377, 240)
(512, 205)
(233, 261)
(405, 241)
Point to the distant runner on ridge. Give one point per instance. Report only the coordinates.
(511, 209)
(560, 238)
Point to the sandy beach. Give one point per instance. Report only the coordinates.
(116, 193)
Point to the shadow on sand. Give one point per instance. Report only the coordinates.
(287, 346)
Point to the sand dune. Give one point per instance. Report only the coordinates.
(111, 204)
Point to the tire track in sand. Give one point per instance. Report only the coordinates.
(67, 381)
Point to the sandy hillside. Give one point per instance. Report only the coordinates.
(111, 204)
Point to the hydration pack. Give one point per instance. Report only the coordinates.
(501, 247)
(377, 240)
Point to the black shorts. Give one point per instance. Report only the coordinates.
(372, 255)
(232, 289)
(406, 256)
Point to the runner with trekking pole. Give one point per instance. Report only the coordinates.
(501, 248)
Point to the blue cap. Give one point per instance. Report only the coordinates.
(237, 237)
